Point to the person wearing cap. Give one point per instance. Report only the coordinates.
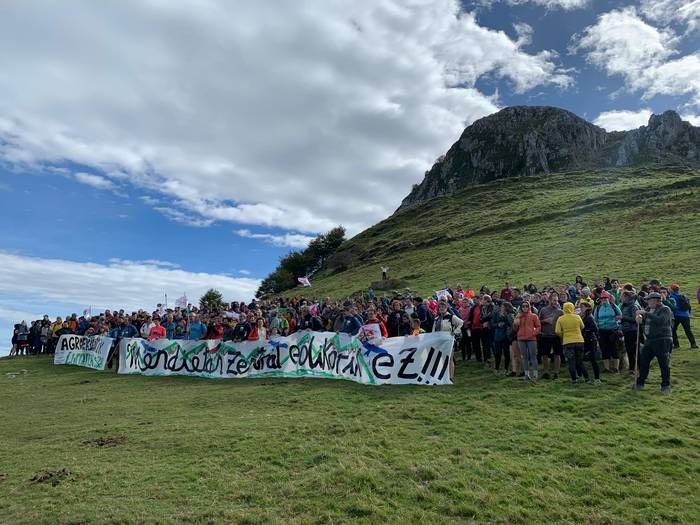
(607, 316)
(585, 298)
(681, 316)
(657, 321)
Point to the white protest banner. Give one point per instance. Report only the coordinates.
(370, 332)
(422, 359)
(82, 350)
(440, 294)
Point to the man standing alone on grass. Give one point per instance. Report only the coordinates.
(657, 321)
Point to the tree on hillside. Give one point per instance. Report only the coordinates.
(302, 263)
(212, 299)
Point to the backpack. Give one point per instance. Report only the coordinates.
(682, 303)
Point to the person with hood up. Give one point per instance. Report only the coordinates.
(527, 326)
(570, 328)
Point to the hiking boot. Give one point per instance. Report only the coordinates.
(666, 390)
(587, 381)
(555, 376)
(636, 386)
(512, 374)
(574, 382)
(694, 347)
(523, 377)
(606, 371)
(596, 382)
(545, 375)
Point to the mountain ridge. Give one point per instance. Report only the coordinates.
(529, 140)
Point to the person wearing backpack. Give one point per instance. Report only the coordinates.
(681, 315)
(607, 316)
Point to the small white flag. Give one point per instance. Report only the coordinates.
(304, 281)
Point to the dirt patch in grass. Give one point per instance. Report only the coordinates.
(50, 476)
(109, 441)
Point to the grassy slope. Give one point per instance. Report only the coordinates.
(633, 223)
(488, 449)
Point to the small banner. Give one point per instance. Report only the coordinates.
(422, 359)
(81, 350)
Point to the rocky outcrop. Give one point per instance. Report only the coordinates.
(527, 140)
(665, 139)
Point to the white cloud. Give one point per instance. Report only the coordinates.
(299, 115)
(693, 119)
(183, 218)
(622, 120)
(566, 5)
(621, 43)
(292, 240)
(669, 11)
(94, 180)
(119, 284)
(244, 272)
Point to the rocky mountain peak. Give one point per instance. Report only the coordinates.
(527, 140)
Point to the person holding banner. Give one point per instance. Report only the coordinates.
(448, 322)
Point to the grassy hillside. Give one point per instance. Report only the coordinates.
(488, 449)
(632, 223)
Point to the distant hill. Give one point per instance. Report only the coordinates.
(529, 140)
(632, 223)
(537, 194)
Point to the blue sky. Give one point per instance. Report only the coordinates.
(152, 148)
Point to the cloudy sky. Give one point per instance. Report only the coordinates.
(158, 146)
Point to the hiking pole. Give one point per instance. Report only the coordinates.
(636, 359)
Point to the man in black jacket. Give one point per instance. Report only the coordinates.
(658, 334)
(393, 320)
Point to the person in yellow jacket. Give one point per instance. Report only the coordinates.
(570, 328)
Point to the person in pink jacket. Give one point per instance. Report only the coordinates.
(527, 327)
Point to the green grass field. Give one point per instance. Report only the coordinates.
(488, 449)
(632, 223)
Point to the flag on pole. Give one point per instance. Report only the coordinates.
(181, 301)
(88, 311)
(304, 281)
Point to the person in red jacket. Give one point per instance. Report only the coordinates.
(527, 327)
(372, 319)
(157, 331)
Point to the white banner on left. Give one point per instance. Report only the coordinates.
(81, 350)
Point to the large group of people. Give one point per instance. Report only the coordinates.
(518, 332)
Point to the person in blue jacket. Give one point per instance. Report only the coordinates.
(681, 315)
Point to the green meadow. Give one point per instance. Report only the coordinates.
(632, 223)
(81, 446)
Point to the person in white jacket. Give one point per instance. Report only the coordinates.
(446, 321)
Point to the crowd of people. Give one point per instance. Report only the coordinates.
(514, 331)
